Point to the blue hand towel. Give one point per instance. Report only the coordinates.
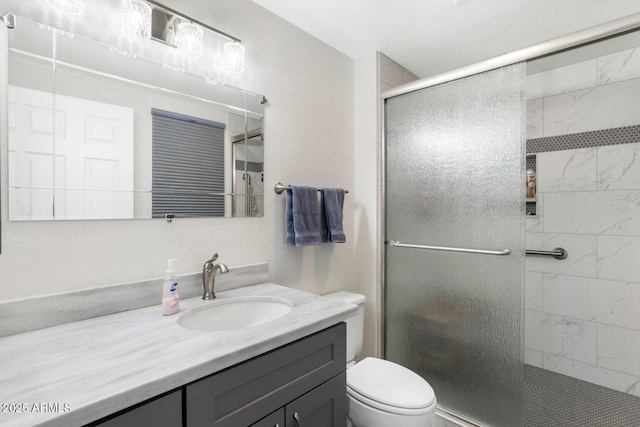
(289, 233)
(332, 203)
(325, 235)
(302, 217)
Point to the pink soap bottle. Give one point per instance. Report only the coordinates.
(170, 296)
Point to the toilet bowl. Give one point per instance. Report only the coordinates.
(381, 393)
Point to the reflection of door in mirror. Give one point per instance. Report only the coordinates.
(92, 174)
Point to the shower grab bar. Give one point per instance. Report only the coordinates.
(450, 249)
(557, 253)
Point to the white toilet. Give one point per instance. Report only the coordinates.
(381, 393)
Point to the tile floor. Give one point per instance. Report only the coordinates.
(555, 400)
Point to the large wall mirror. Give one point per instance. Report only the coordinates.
(99, 133)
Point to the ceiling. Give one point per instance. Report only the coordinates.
(432, 36)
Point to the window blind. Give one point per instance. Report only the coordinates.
(187, 165)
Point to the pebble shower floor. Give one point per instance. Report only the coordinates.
(555, 400)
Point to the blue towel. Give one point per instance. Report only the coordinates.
(289, 233)
(332, 203)
(302, 217)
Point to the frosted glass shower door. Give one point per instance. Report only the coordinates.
(455, 178)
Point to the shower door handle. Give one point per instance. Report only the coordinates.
(450, 249)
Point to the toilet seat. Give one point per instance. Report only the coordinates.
(389, 387)
(395, 410)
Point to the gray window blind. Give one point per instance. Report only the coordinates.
(188, 166)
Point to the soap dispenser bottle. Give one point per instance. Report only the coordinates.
(170, 296)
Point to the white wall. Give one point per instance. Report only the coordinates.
(375, 73)
(308, 140)
(366, 194)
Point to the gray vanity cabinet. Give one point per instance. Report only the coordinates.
(301, 384)
(306, 377)
(321, 407)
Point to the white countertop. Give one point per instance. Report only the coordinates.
(79, 372)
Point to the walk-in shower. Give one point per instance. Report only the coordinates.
(582, 314)
(507, 339)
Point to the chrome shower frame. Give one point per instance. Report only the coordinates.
(587, 36)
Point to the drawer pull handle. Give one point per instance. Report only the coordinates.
(296, 417)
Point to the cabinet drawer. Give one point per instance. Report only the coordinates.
(249, 391)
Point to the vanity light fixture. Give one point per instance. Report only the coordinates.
(175, 29)
(71, 7)
(233, 54)
(136, 18)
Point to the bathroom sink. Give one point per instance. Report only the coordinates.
(235, 313)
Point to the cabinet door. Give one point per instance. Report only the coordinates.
(273, 420)
(247, 392)
(324, 406)
(165, 411)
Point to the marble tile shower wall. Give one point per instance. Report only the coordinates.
(600, 93)
(582, 315)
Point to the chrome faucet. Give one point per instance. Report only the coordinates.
(209, 276)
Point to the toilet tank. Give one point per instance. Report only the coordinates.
(355, 324)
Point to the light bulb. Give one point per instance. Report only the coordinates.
(136, 18)
(233, 54)
(190, 39)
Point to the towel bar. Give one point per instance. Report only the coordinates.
(446, 248)
(279, 188)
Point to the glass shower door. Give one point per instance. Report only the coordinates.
(455, 179)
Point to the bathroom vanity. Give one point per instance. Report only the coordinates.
(302, 383)
(141, 368)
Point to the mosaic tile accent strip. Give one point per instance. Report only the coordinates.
(598, 138)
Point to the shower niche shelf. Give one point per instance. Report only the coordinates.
(531, 203)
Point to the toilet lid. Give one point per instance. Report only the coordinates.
(389, 383)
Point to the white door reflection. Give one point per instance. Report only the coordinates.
(93, 166)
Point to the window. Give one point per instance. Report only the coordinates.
(188, 166)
